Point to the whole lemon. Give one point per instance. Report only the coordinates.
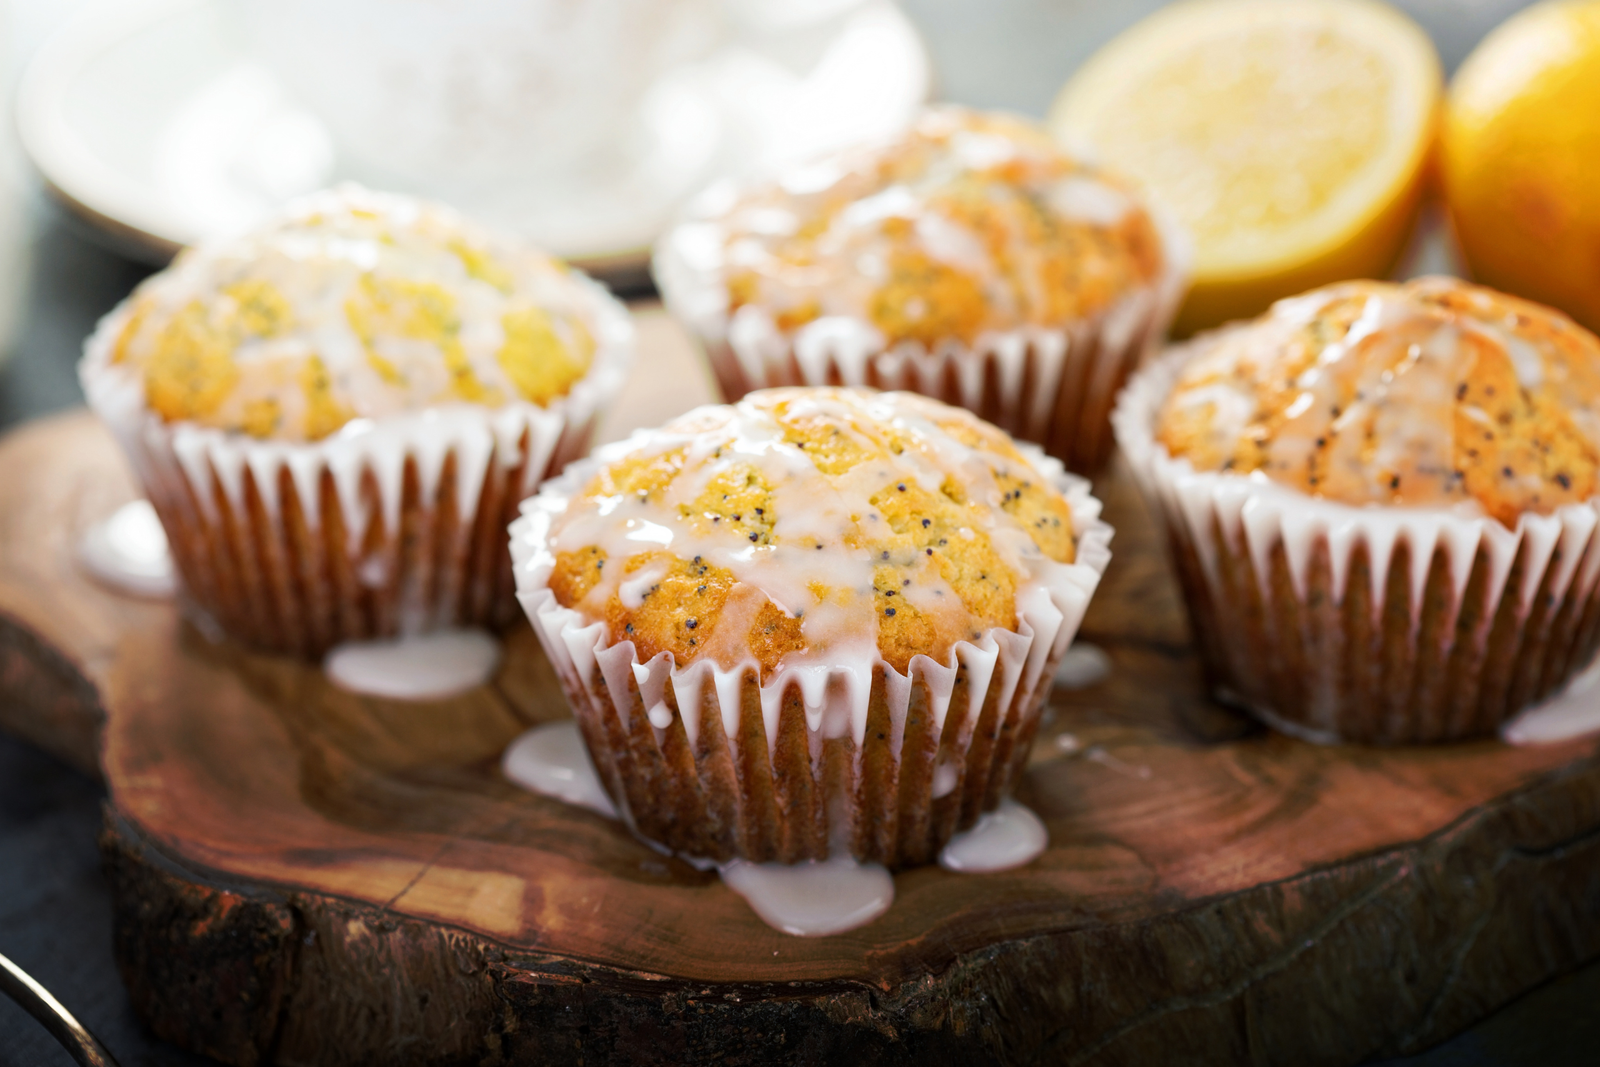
(1521, 157)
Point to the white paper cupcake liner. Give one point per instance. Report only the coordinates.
(1322, 619)
(1054, 386)
(389, 526)
(853, 757)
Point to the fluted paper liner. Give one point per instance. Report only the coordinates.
(389, 526)
(1380, 624)
(709, 763)
(1054, 386)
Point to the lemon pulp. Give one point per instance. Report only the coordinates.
(1289, 139)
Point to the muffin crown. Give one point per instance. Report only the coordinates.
(1429, 393)
(809, 525)
(355, 305)
(968, 222)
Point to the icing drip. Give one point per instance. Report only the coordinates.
(424, 667)
(815, 555)
(1264, 516)
(128, 551)
(966, 224)
(551, 760)
(1009, 836)
(1433, 393)
(806, 900)
(214, 462)
(946, 776)
(1083, 665)
(352, 305)
(812, 899)
(1573, 712)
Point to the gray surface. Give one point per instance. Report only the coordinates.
(54, 905)
(55, 915)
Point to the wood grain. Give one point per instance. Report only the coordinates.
(307, 876)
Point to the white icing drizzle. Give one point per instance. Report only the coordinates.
(128, 551)
(834, 673)
(841, 344)
(398, 300)
(1009, 836)
(812, 899)
(214, 463)
(425, 667)
(551, 760)
(872, 203)
(808, 899)
(1083, 665)
(1573, 712)
(1264, 515)
(1376, 408)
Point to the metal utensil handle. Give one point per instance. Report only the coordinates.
(17, 985)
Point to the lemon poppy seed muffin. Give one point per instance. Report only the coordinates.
(356, 306)
(1380, 497)
(334, 414)
(1432, 394)
(970, 259)
(839, 610)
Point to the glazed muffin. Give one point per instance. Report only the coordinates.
(816, 620)
(1381, 504)
(970, 259)
(336, 415)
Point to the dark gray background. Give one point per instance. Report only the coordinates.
(55, 911)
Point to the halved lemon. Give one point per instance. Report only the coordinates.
(1289, 137)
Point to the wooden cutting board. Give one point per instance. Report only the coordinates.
(305, 876)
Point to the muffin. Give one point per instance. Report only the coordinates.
(336, 415)
(971, 259)
(819, 620)
(1381, 505)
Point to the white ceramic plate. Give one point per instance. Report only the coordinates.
(148, 118)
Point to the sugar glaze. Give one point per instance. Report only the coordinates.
(812, 899)
(1009, 836)
(805, 899)
(808, 549)
(550, 759)
(427, 666)
(1264, 515)
(1083, 665)
(1573, 712)
(128, 551)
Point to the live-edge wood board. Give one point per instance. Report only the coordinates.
(303, 876)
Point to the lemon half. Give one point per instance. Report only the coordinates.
(1289, 137)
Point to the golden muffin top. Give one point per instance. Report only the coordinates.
(355, 305)
(809, 525)
(1433, 392)
(967, 222)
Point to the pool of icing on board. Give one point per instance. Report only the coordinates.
(804, 899)
(421, 667)
(1082, 666)
(128, 551)
(1573, 712)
